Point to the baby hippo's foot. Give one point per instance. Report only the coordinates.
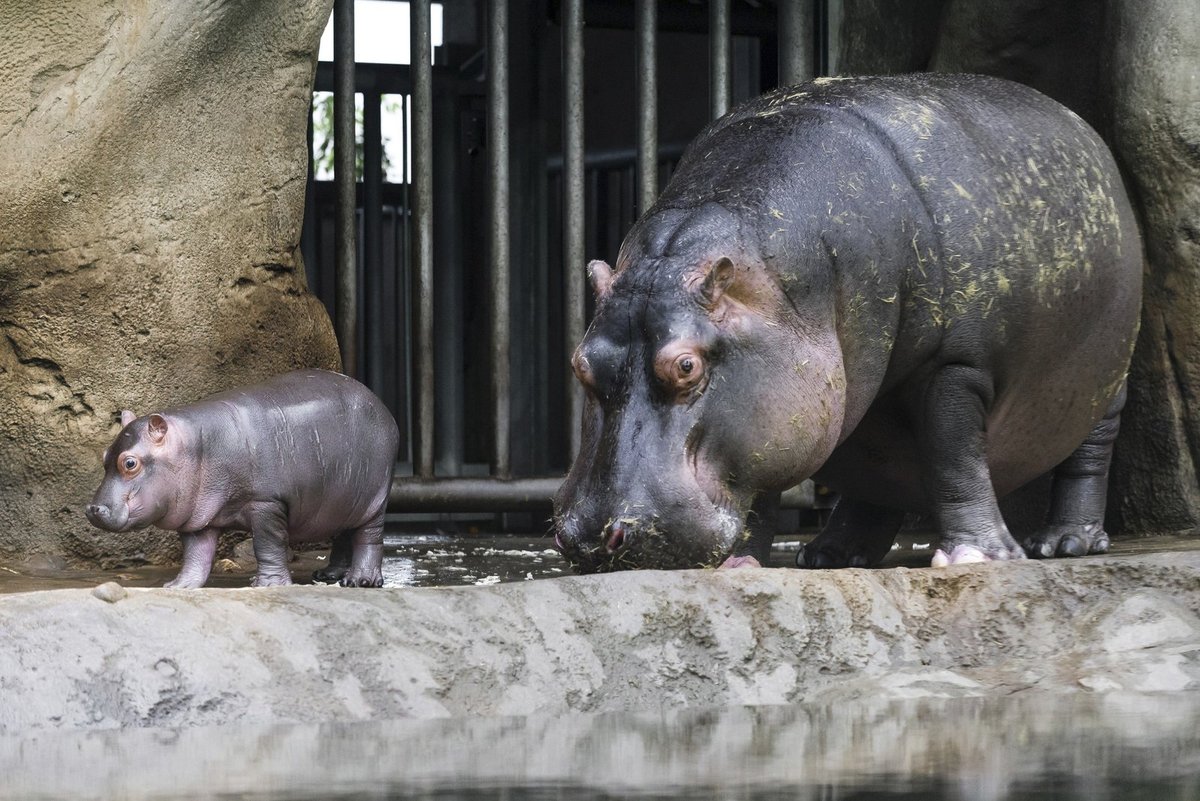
(185, 582)
(970, 553)
(1067, 540)
(739, 561)
(362, 577)
(271, 580)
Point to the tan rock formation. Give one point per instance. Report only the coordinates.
(153, 163)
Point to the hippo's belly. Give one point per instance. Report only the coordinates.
(1030, 430)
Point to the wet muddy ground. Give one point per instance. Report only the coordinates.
(442, 560)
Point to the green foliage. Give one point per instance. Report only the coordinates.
(323, 146)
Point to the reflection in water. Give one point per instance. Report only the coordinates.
(1081, 746)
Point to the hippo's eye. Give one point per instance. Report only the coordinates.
(681, 370)
(129, 465)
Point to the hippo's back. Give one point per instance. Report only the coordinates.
(949, 219)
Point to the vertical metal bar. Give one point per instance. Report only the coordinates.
(498, 135)
(720, 76)
(422, 135)
(646, 67)
(795, 42)
(373, 370)
(345, 226)
(573, 200)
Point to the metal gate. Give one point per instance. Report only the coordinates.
(460, 307)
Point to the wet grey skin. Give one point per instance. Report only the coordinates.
(921, 290)
(303, 457)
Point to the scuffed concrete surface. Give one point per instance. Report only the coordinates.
(75, 659)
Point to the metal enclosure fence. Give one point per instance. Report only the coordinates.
(401, 264)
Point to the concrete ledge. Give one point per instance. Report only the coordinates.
(630, 641)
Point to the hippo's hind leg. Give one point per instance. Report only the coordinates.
(339, 559)
(366, 554)
(952, 412)
(1075, 524)
(858, 534)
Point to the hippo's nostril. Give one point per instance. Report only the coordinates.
(96, 511)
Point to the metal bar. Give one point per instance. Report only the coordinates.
(344, 226)
(498, 134)
(720, 73)
(422, 137)
(646, 68)
(373, 369)
(795, 42)
(495, 495)
(573, 199)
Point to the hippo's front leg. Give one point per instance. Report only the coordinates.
(858, 534)
(755, 549)
(957, 481)
(268, 528)
(199, 548)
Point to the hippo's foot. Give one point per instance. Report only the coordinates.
(819, 555)
(1067, 540)
(271, 580)
(739, 561)
(967, 553)
(329, 575)
(362, 578)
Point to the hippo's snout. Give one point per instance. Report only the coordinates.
(105, 517)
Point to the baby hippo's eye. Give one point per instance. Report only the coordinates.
(129, 465)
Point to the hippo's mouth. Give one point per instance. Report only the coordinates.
(627, 542)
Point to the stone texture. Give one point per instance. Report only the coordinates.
(1130, 68)
(625, 641)
(154, 161)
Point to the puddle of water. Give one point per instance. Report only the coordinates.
(1017, 748)
(438, 560)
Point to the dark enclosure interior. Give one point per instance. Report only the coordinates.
(539, 353)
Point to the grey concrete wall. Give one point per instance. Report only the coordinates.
(625, 641)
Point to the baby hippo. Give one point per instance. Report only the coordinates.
(304, 456)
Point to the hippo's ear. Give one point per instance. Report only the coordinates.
(157, 428)
(602, 278)
(127, 417)
(717, 279)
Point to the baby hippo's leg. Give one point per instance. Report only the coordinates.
(199, 548)
(366, 559)
(268, 523)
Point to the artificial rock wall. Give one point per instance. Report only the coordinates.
(152, 175)
(1132, 69)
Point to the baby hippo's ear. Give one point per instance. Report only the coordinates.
(127, 417)
(157, 429)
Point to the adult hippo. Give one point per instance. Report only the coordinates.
(922, 290)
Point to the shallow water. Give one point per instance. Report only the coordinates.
(1031, 746)
(437, 559)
